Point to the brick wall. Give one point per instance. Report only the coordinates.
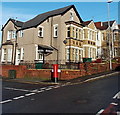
(20, 70)
(85, 69)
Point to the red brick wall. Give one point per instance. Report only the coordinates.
(85, 69)
(20, 70)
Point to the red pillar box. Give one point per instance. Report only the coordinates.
(55, 72)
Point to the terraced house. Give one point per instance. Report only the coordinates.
(57, 36)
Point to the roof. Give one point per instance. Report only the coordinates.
(16, 22)
(99, 26)
(103, 25)
(106, 23)
(42, 17)
(87, 22)
(44, 47)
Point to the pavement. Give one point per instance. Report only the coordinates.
(72, 81)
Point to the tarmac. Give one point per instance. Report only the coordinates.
(82, 79)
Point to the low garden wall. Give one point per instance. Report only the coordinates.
(65, 74)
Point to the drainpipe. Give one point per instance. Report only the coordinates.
(1, 44)
(15, 45)
(52, 40)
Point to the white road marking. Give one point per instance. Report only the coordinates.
(100, 112)
(43, 88)
(2, 102)
(18, 97)
(118, 112)
(63, 85)
(48, 89)
(17, 89)
(41, 91)
(114, 103)
(117, 96)
(57, 86)
(29, 94)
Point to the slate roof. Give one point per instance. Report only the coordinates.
(16, 22)
(42, 17)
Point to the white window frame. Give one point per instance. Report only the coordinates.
(9, 55)
(5, 53)
(55, 30)
(19, 54)
(13, 34)
(9, 34)
(40, 31)
(71, 16)
(22, 54)
(67, 54)
(21, 33)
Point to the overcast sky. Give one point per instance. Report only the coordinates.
(87, 10)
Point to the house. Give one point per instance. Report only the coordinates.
(51, 36)
(108, 36)
(90, 40)
(58, 36)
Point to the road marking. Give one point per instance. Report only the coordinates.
(43, 88)
(48, 89)
(100, 112)
(18, 97)
(63, 85)
(118, 112)
(29, 94)
(117, 96)
(114, 103)
(41, 91)
(2, 102)
(9, 88)
(57, 86)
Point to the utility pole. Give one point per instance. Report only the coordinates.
(109, 30)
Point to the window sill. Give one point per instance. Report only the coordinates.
(40, 36)
(55, 37)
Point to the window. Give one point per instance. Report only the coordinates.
(13, 34)
(68, 32)
(40, 32)
(9, 58)
(73, 32)
(18, 51)
(9, 34)
(76, 54)
(40, 56)
(4, 54)
(76, 33)
(71, 16)
(56, 30)
(67, 54)
(22, 53)
(21, 33)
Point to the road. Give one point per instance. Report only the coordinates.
(89, 97)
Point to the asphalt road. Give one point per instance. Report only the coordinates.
(89, 97)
